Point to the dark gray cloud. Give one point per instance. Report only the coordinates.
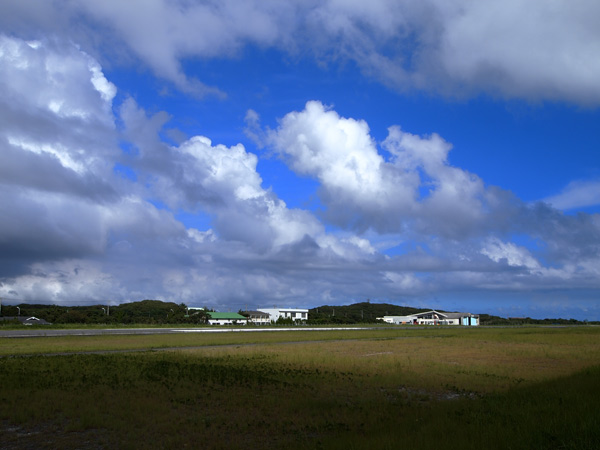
(568, 239)
(44, 172)
(48, 226)
(56, 136)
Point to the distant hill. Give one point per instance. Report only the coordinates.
(142, 312)
(365, 312)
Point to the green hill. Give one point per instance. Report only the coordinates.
(365, 312)
(142, 312)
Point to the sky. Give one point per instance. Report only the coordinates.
(239, 154)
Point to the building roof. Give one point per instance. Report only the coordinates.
(446, 315)
(27, 320)
(225, 316)
(284, 309)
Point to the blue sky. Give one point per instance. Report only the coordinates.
(437, 154)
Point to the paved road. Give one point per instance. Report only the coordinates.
(49, 332)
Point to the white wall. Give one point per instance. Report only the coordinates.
(293, 313)
(226, 322)
(399, 320)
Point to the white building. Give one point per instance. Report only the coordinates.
(219, 318)
(398, 320)
(434, 318)
(257, 317)
(287, 313)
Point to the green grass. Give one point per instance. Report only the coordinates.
(420, 388)
(60, 344)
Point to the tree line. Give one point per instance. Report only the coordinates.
(156, 312)
(150, 312)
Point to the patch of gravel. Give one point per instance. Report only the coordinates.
(425, 396)
(42, 436)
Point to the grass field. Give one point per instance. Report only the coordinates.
(387, 388)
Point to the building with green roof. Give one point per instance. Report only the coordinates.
(226, 318)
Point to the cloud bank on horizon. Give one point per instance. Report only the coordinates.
(110, 192)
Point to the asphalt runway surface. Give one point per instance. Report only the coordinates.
(49, 332)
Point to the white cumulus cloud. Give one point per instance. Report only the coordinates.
(514, 255)
(362, 190)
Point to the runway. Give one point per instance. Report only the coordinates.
(49, 332)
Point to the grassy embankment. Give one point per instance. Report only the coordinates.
(419, 388)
